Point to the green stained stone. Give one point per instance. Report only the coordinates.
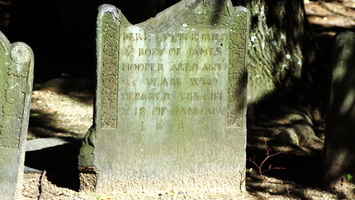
(170, 106)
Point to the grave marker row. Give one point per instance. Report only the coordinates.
(170, 109)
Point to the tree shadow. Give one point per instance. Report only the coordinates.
(340, 126)
(79, 89)
(42, 124)
(300, 169)
(268, 117)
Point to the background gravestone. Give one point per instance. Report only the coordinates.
(339, 155)
(170, 101)
(16, 79)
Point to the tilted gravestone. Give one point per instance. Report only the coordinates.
(170, 109)
(16, 79)
(339, 148)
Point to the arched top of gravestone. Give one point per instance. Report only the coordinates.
(19, 52)
(185, 14)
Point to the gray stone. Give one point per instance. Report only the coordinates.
(16, 80)
(170, 110)
(339, 148)
(42, 143)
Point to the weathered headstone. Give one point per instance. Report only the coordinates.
(339, 148)
(16, 79)
(170, 108)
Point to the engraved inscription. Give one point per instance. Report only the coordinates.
(148, 96)
(163, 73)
(206, 37)
(197, 71)
(193, 111)
(172, 111)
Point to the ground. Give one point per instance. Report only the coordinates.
(59, 110)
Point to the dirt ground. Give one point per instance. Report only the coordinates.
(66, 112)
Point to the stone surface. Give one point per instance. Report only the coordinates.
(339, 156)
(42, 143)
(170, 109)
(16, 80)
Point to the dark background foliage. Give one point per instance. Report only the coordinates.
(62, 32)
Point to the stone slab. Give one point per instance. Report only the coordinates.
(16, 80)
(42, 143)
(339, 148)
(170, 109)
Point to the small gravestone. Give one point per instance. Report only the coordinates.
(16, 79)
(339, 147)
(170, 110)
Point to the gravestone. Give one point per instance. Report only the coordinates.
(16, 79)
(339, 148)
(170, 111)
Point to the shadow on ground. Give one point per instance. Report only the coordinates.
(60, 163)
(41, 125)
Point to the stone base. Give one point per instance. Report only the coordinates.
(88, 178)
(225, 182)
